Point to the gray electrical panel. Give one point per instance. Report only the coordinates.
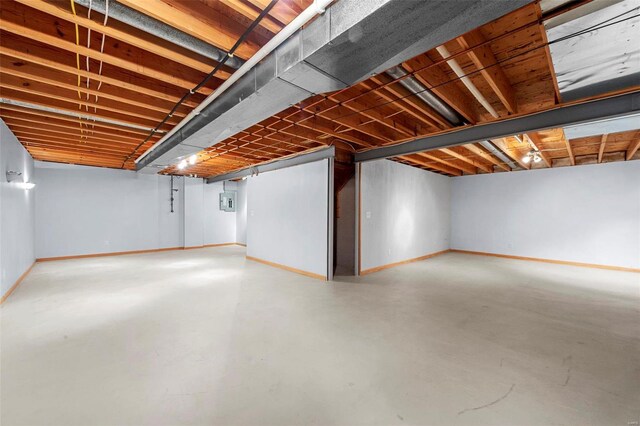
(228, 201)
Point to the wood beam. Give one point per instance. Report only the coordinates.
(455, 152)
(484, 59)
(63, 127)
(132, 36)
(435, 79)
(220, 32)
(250, 12)
(40, 76)
(414, 158)
(567, 144)
(45, 57)
(603, 143)
(403, 105)
(464, 168)
(68, 97)
(78, 133)
(373, 113)
(125, 64)
(633, 147)
(408, 97)
(340, 114)
(32, 98)
(502, 145)
(47, 117)
(481, 152)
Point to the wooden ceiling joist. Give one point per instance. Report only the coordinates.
(435, 165)
(633, 148)
(603, 143)
(48, 117)
(68, 105)
(49, 58)
(458, 152)
(126, 64)
(67, 95)
(482, 152)
(437, 81)
(462, 167)
(485, 61)
(205, 25)
(132, 36)
(39, 76)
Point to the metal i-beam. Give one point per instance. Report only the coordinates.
(601, 109)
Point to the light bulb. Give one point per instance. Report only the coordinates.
(536, 158)
(526, 159)
(182, 164)
(193, 159)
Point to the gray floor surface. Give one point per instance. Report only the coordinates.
(207, 337)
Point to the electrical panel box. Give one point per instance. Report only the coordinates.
(228, 201)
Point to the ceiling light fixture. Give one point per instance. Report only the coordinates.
(182, 164)
(193, 159)
(532, 155)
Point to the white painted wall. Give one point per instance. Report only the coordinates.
(241, 213)
(17, 215)
(405, 213)
(588, 214)
(219, 226)
(89, 210)
(194, 214)
(287, 221)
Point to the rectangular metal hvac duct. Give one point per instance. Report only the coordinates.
(351, 41)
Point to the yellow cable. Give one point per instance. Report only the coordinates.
(73, 10)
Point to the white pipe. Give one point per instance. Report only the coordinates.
(466, 81)
(316, 8)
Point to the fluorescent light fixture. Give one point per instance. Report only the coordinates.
(182, 164)
(193, 159)
(25, 185)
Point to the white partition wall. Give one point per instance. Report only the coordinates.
(404, 214)
(194, 214)
(586, 214)
(288, 217)
(90, 210)
(219, 226)
(16, 211)
(241, 213)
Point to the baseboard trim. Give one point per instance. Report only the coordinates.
(241, 244)
(122, 253)
(115, 253)
(402, 262)
(288, 268)
(17, 283)
(558, 262)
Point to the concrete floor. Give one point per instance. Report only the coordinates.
(205, 337)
